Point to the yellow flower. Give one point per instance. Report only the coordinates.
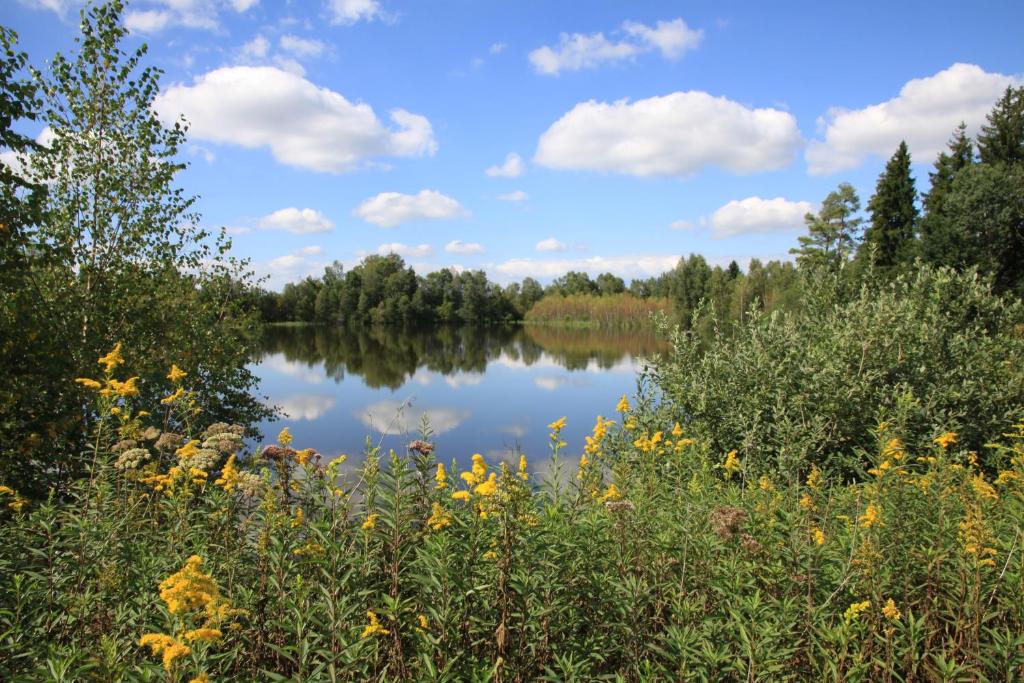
(854, 610)
(490, 555)
(982, 488)
(819, 536)
(893, 449)
(523, 474)
(557, 426)
(732, 463)
(423, 623)
(489, 487)
(872, 517)
(461, 495)
(176, 374)
(201, 678)
(807, 503)
(677, 431)
(373, 628)
(946, 439)
(284, 437)
(439, 517)
(610, 494)
(89, 383)
(371, 522)
(126, 388)
(479, 466)
(112, 359)
(8, 490)
(441, 477)
(814, 478)
(178, 393)
(205, 635)
(623, 405)
(159, 643)
(300, 517)
(765, 484)
(890, 611)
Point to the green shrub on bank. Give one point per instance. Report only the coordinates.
(934, 350)
(650, 558)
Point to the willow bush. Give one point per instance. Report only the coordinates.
(650, 557)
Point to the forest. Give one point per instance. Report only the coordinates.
(819, 477)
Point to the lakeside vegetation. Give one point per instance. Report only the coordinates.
(822, 478)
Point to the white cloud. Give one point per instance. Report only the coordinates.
(680, 225)
(550, 244)
(243, 5)
(514, 196)
(580, 51)
(299, 221)
(671, 38)
(512, 168)
(672, 135)
(460, 247)
(352, 11)
(757, 215)
(549, 382)
(464, 379)
(924, 114)
(497, 48)
(391, 209)
(397, 417)
(291, 267)
(406, 250)
(299, 370)
(306, 406)
(147, 21)
(256, 48)
(302, 47)
(302, 124)
(623, 266)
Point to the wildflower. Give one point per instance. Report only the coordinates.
(593, 442)
(441, 477)
(131, 459)
(165, 645)
(623, 405)
(89, 383)
(311, 548)
(1006, 476)
(112, 359)
(893, 449)
(881, 469)
(976, 538)
(201, 678)
(490, 555)
(299, 517)
(284, 437)
(982, 488)
(819, 536)
(206, 635)
(854, 610)
(304, 456)
(422, 621)
(489, 487)
(677, 431)
(872, 517)
(890, 611)
(168, 441)
(945, 440)
(461, 495)
(732, 463)
(176, 374)
(765, 484)
(610, 493)
(373, 628)
(630, 423)
(727, 521)
(125, 389)
(523, 474)
(807, 503)
(371, 522)
(439, 517)
(178, 393)
(421, 447)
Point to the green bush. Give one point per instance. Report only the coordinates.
(932, 350)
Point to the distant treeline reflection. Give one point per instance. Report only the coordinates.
(389, 356)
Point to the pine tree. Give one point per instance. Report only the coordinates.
(833, 233)
(1001, 140)
(890, 239)
(937, 242)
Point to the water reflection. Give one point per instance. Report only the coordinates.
(491, 391)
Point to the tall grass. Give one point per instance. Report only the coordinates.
(615, 311)
(648, 557)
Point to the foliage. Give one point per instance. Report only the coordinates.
(889, 242)
(592, 310)
(833, 234)
(934, 349)
(116, 253)
(652, 557)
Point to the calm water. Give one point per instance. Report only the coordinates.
(489, 391)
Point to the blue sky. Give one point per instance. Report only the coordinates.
(531, 137)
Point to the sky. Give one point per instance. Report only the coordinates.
(529, 138)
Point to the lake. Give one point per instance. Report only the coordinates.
(484, 390)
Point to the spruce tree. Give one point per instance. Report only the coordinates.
(938, 244)
(1001, 140)
(890, 239)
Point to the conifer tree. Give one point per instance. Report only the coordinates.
(937, 242)
(1001, 140)
(890, 238)
(833, 233)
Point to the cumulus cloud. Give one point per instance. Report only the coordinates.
(299, 370)
(460, 247)
(306, 406)
(351, 11)
(256, 48)
(200, 14)
(406, 250)
(680, 225)
(299, 221)
(515, 196)
(397, 417)
(581, 51)
(391, 209)
(623, 266)
(303, 125)
(550, 244)
(287, 268)
(243, 5)
(757, 215)
(301, 47)
(512, 168)
(924, 114)
(672, 135)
